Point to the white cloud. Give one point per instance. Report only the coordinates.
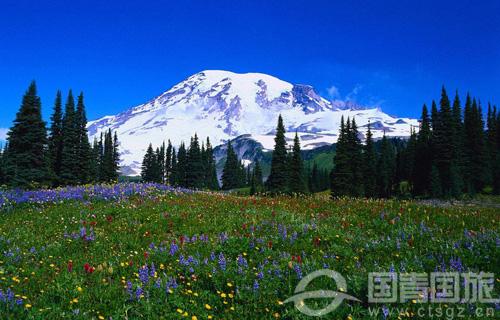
(333, 92)
(3, 134)
(354, 93)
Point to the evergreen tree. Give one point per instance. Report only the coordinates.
(26, 159)
(278, 178)
(161, 163)
(369, 166)
(231, 175)
(474, 145)
(385, 168)
(296, 180)
(341, 175)
(168, 162)
(69, 156)
(149, 164)
(257, 175)
(115, 172)
(56, 138)
(194, 170)
(181, 166)
(443, 145)
(356, 161)
(435, 183)
(172, 179)
(313, 182)
(83, 152)
(95, 159)
(423, 156)
(212, 182)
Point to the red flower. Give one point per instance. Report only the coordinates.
(109, 218)
(146, 255)
(88, 268)
(130, 263)
(70, 266)
(299, 259)
(270, 244)
(93, 223)
(181, 239)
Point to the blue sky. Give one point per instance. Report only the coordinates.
(122, 53)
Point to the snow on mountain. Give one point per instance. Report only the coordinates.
(223, 105)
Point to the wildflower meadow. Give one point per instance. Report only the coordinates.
(144, 251)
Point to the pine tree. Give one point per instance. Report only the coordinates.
(172, 179)
(296, 180)
(356, 161)
(257, 172)
(115, 172)
(313, 182)
(181, 166)
(161, 163)
(385, 168)
(369, 166)
(148, 168)
(421, 178)
(26, 159)
(194, 170)
(69, 156)
(278, 178)
(83, 152)
(168, 162)
(435, 183)
(231, 176)
(341, 175)
(443, 145)
(56, 138)
(95, 159)
(476, 157)
(212, 182)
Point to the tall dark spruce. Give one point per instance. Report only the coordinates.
(69, 157)
(296, 179)
(26, 160)
(277, 181)
(56, 139)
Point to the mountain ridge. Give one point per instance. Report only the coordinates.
(224, 105)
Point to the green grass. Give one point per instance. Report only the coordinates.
(350, 236)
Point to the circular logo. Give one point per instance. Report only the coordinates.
(301, 294)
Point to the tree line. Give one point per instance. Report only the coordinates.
(192, 167)
(452, 154)
(36, 157)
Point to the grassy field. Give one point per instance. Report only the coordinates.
(172, 255)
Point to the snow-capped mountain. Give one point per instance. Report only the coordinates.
(223, 105)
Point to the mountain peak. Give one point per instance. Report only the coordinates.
(223, 105)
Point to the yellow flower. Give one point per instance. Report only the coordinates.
(223, 295)
(101, 317)
(230, 295)
(75, 300)
(79, 289)
(229, 284)
(194, 318)
(209, 317)
(179, 311)
(28, 306)
(207, 306)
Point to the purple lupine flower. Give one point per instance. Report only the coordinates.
(255, 285)
(144, 274)
(130, 290)
(152, 271)
(222, 262)
(385, 312)
(173, 248)
(298, 271)
(139, 292)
